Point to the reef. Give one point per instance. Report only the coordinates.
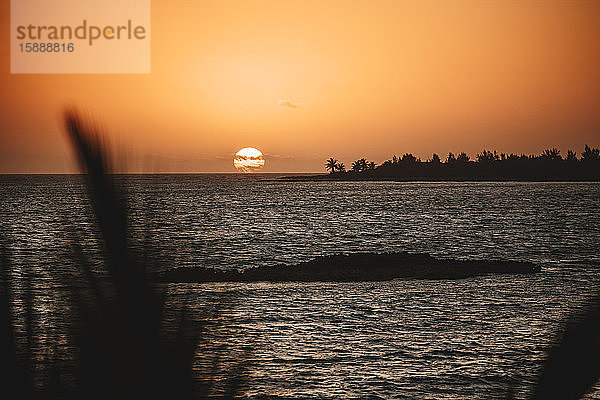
(356, 267)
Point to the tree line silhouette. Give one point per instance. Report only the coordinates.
(550, 165)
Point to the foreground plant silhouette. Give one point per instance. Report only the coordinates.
(572, 366)
(122, 352)
(121, 348)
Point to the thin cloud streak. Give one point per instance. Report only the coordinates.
(287, 103)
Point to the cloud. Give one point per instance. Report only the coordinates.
(287, 103)
(279, 156)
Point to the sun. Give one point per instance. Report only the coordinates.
(248, 159)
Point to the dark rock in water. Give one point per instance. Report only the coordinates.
(357, 267)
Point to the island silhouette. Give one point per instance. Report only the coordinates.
(355, 268)
(488, 165)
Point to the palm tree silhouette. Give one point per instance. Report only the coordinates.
(462, 158)
(341, 167)
(331, 165)
(552, 154)
(590, 154)
(363, 164)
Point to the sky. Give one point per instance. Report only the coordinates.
(306, 80)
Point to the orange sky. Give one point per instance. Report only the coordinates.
(371, 78)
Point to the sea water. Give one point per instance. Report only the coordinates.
(465, 339)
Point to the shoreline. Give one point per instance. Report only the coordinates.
(375, 178)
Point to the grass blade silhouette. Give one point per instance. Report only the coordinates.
(16, 378)
(122, 352)
(573, 364)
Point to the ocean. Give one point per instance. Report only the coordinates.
(409, 339)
